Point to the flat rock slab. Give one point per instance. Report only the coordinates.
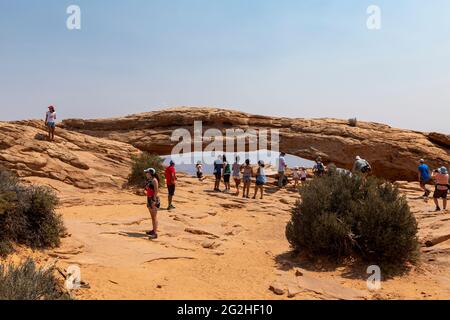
(329, 289)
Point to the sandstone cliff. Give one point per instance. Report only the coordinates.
(76, 159)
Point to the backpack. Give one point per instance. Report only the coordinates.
(320, 167)
(367, 168)
(227, 169)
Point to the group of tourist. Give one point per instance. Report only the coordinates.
(240, 172)
(439, 178)
(243, 173)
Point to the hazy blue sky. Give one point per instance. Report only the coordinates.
(311, 58)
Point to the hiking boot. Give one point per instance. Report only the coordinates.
(437, 209)
(171, 207)
(153, 236)
(150, 232)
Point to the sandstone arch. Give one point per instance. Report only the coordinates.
(394, 153)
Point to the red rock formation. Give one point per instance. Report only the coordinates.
(393, 153)
(76, 159)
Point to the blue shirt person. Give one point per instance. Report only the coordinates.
(424, 177)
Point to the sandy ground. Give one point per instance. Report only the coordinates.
(219, 246)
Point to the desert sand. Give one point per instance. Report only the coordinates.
(218, 246)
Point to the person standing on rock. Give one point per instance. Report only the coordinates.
(442, 186)
(261, 179)
(171, 181)
(153, 203)
(424, 177)
(237, 174)
(50, 122)
(247, 178)
(281, 169)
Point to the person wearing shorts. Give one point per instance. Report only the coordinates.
(247, 178)
(303, 175)
(226, 174)
(153, 203)
(260, 179)
(424, 177)
(171, 181)
(442, 186)
(50, 123)
(237, 175)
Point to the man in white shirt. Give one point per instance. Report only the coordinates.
(281, 169)
(50, 122)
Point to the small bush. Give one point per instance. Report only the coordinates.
(341, 216)
(27, 282)
(353, 122)
(144, 161)
(40, 227)
(27, 215)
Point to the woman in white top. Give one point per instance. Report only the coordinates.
(50, 122)
(237, 174)
(303, 174)
(261, 179)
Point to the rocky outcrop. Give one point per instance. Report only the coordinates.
(440, 139)
(393, 153)
(80, 160)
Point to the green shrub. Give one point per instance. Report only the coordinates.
(341, 216)
(40, 226)
(27, 215)
(27, 282)
(144, 161)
